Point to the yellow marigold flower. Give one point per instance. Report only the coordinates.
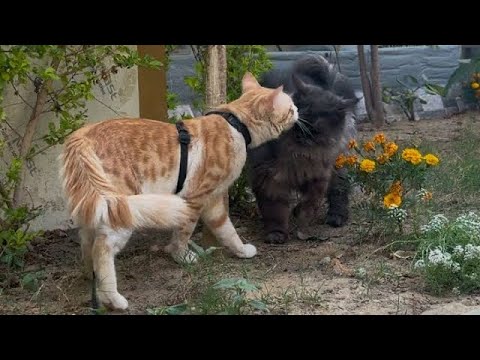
(352, 144)
(390, 149)
(382, 159)
(396, 188)
(431, 159)
(351, 160)
(379, 138)
(369, 146)
(412, 155)
(475, 85)
(367, 165)
(341, 159)
(427, 196)
(392, 200)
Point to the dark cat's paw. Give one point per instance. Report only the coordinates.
(336, 220)
(276, 238)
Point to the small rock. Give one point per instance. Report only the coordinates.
(326, 260)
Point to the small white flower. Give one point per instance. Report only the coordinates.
(395, 212)
(472, 252)
(419, 264)
(458, 251)
(437, 223)
(455, 266)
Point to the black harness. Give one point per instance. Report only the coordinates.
(184, 139)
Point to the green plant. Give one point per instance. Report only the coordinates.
(225, 297)
(449, 253)
(240, 59)
(406, 96)
(391, 178)
(60, 79)
(468, 74)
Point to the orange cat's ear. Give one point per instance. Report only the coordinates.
(249, 82)
(277, 100)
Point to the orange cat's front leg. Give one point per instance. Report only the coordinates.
(215, 216)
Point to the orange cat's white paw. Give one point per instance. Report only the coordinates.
(112, 300)
(249, 251)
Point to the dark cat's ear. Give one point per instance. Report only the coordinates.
(299, 84)
(249, 82)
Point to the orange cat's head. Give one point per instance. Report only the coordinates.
(266, 112)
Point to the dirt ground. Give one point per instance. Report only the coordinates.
(301, 277)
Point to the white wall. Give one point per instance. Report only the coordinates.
(42, 181)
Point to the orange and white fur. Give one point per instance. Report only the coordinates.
(120, 175)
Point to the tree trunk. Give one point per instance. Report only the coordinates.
(30, 131)
(376, 88)
(215, 94)
(367, 89)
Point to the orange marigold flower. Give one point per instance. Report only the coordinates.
(379, 138)
(392, 200)
(341, 159)
(475, 85)
(382, 159)
(431, 159)
(390, 149)
(367, 165)
(351, 160)
(352, 144)
(396, 188)
(369, 146)
(412, 155)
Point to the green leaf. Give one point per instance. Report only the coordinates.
(434, 89)
(413, 79)
(259, 305)
(50, 73)
(462, 73)
(226, 284)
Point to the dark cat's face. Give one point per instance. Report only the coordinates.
(322, 113)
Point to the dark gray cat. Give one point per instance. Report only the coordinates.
(303, 159)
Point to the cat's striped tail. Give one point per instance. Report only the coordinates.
(93, 200)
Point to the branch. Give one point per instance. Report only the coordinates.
(4, 195)
(30, 130)
(108, 107)
(21, 97)
(367, 90)
(377, 87)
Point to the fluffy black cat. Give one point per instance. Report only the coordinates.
(302, 161)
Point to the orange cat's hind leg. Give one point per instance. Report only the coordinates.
(107, 244)
(87, 236)
(178, 246)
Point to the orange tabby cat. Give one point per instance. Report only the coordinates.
(119, 175)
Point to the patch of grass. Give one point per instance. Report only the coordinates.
(456, 184)
(292, 296)
(229, 296)
(214, 286)
(377, 274)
